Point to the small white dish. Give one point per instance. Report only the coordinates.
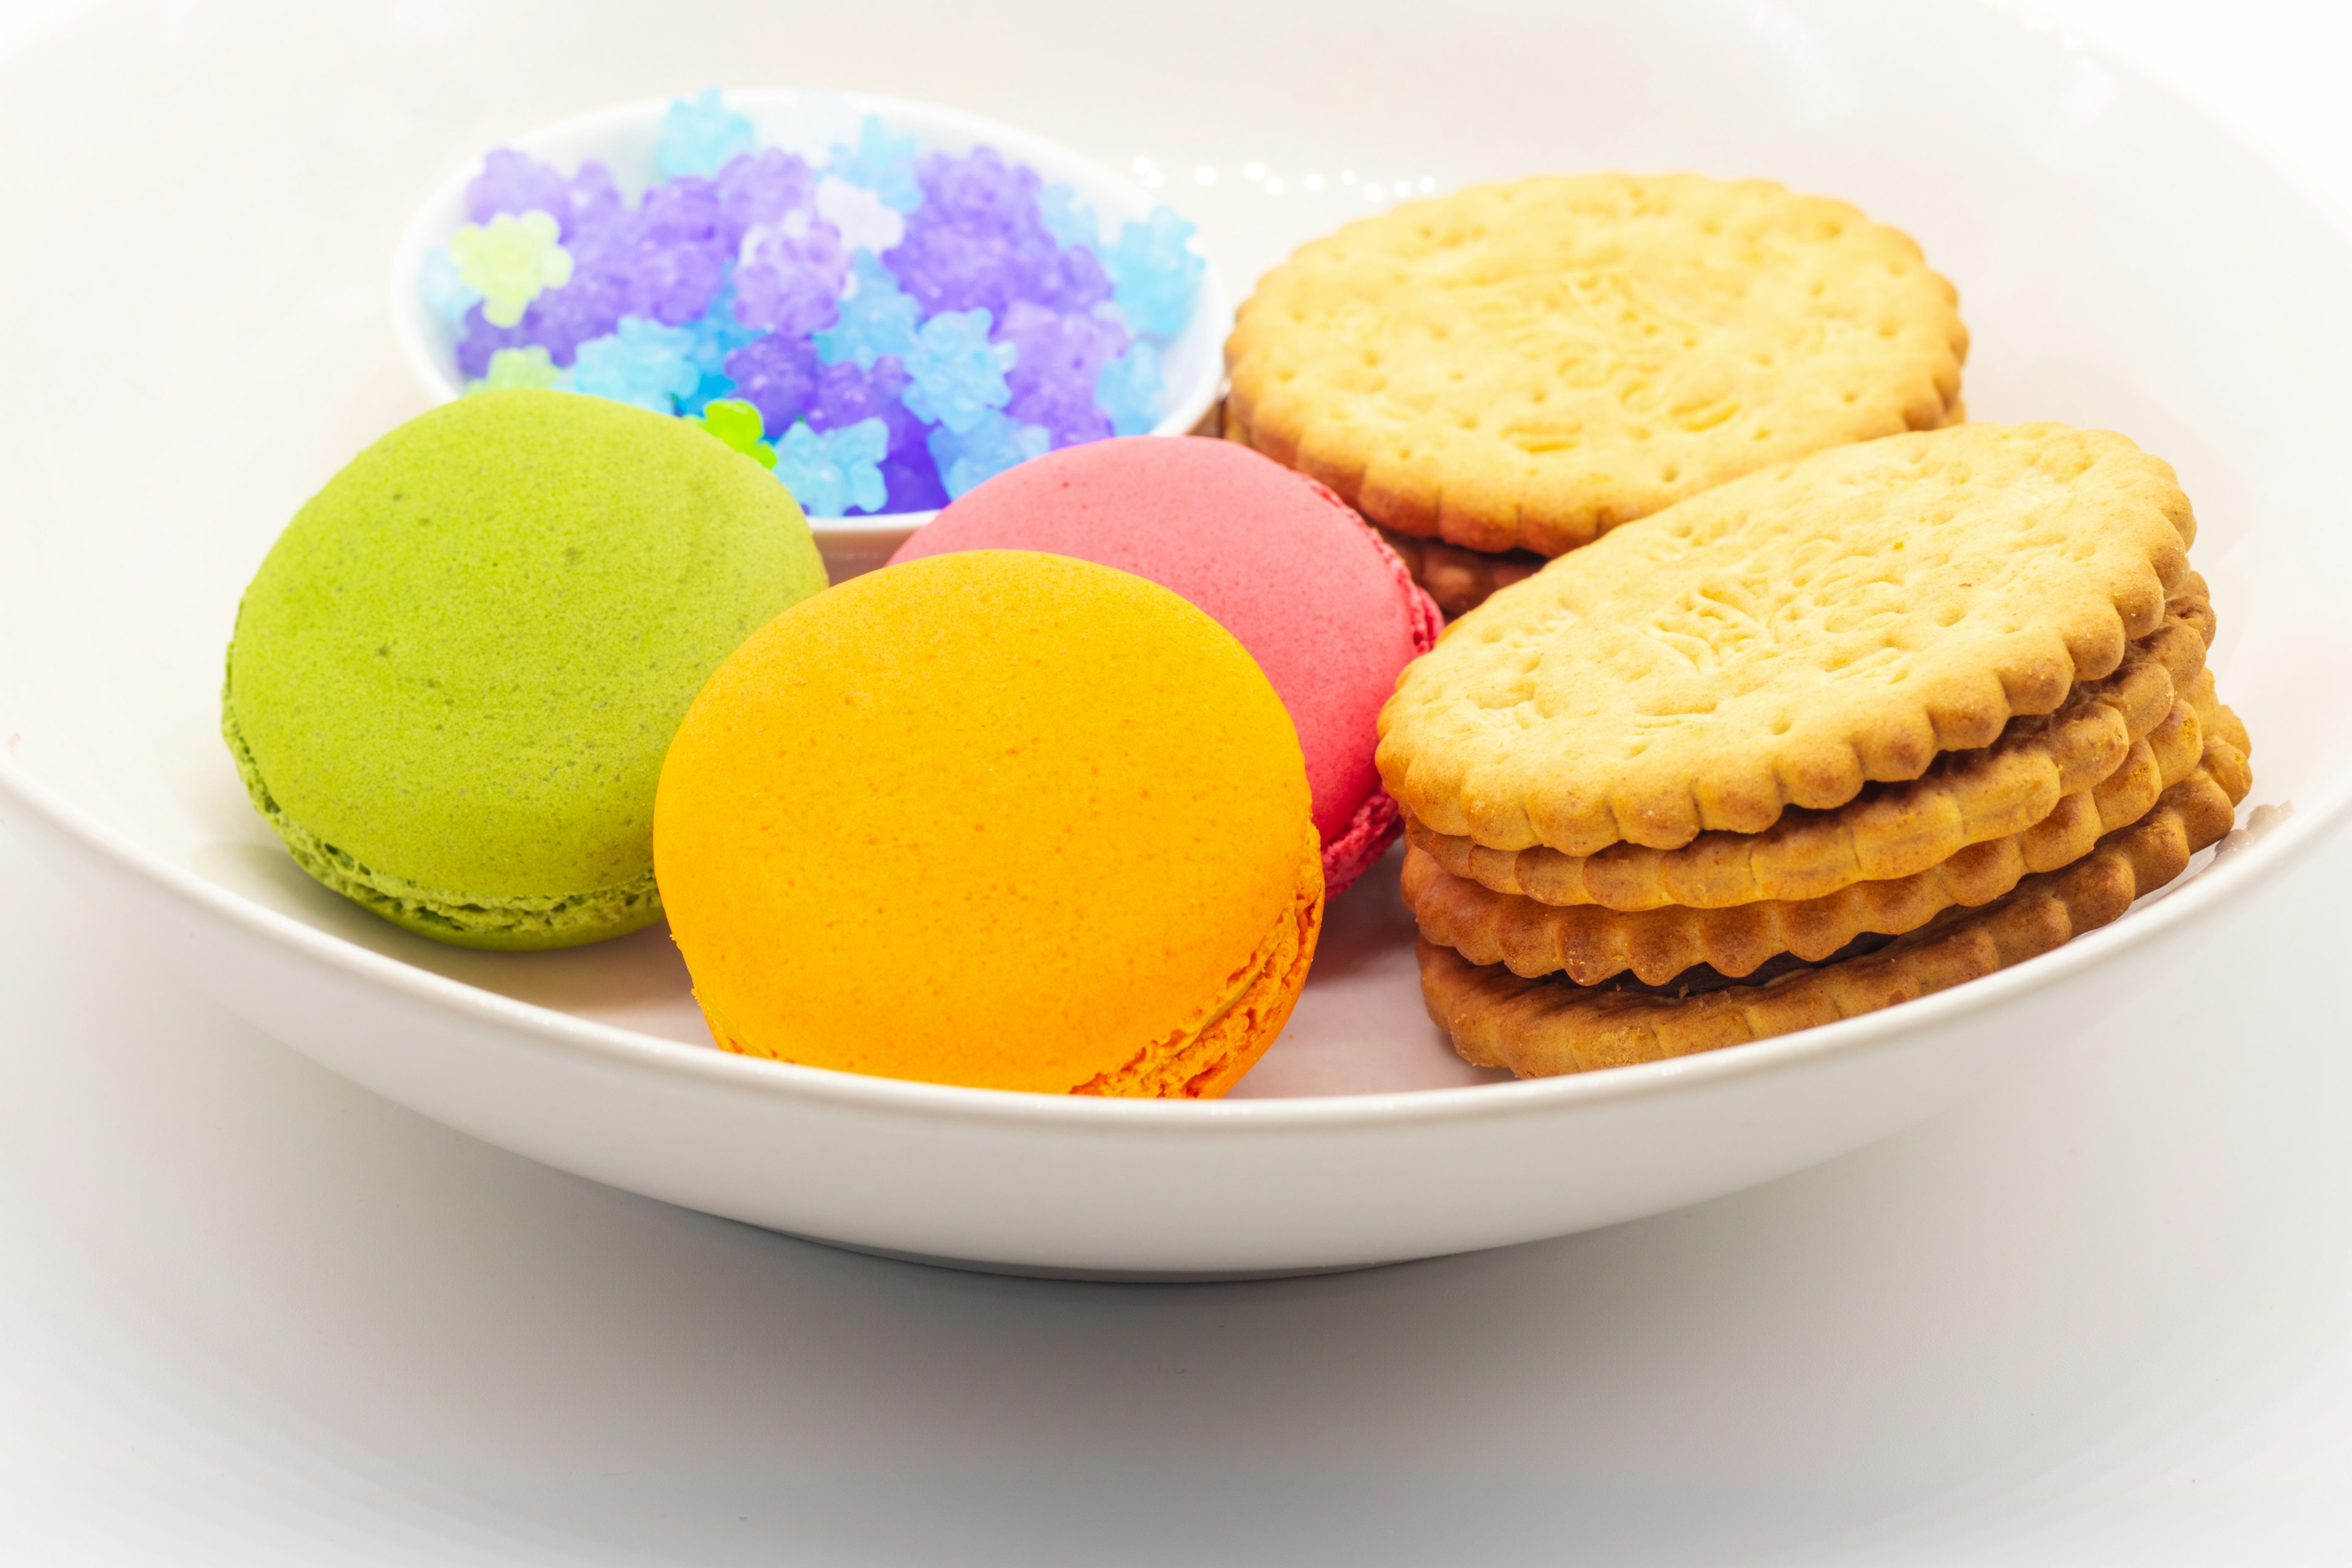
(2051, 184)
(623, 138)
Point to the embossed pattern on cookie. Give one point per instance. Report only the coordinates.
(1892, 830)
(1787, 638)
(1530, 364)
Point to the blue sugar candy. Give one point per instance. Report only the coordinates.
(1155, 273)
(641, 361)
(718, 333)
(1129, 390)
(1070, 221)
(881, 163)
(831, 473)
(879, 319)
(700, 135)
(446, 294)
(957, 374)
(984, 449)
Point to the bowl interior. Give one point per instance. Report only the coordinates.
(2121, 261)
(806, 120)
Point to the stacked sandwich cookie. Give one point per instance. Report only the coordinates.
(1822, 739)
(1502, 375)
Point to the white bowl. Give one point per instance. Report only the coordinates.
(2122, 262)
(623, 138)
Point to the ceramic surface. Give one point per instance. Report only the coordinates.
(150, 454)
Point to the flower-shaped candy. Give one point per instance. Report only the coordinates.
(737, 424)
(526, 367)
(1128, 391)
(1061, 364)
(641, 361)
(789, 275)
(444, 292)
(991, 445)
(776, 375)
(508, 261)
(512, 181)
(831, 473)
(877, 317)
(679, 246)
(718, 333)
(958, 374)
(865, 221)
(881, 163)
(762, 188)
(1069, 220)
(980, 242)
(1155, 273)
(699, 135)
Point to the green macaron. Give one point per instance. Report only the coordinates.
(453, 678)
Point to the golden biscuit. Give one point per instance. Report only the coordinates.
(1784, 639)
(1547, 1026)
(1892, 830)
(1590, 944)
(1530, 364)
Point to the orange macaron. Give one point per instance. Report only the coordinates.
(995, 819)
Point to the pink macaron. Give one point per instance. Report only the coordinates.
(1328, 610)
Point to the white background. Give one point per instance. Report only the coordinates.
(249, 1314)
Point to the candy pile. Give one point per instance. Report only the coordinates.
(898, 325)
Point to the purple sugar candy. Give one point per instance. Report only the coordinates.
(981, 188)
(681, 247)
(748, 241)
(677, 283)
(947, 270)
(684, 211)
(791, 276)
(1070, 280)
(846, 394)
(482, 339)
(559, 320)
(512, 181)
(777, 375)
(762, 188)
(978, 242)
(602, 290)
(1062, 358)
(912, 479)
(596, 202)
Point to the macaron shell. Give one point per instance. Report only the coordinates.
(460, 665)
(998, 818)
(1377, 823)
(1325, 607)
(1203, 1062)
